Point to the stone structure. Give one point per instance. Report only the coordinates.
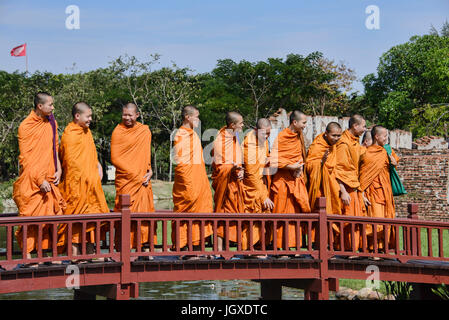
(425, 175)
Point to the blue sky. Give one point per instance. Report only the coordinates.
(196, 33)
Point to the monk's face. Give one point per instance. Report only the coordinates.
(193, 119)
(129, 117)
(360, 128)
(382, 137)
(84, 118)
(237, 126)
(47, 107)
(263, 134)
(333, 136)
(300, 124)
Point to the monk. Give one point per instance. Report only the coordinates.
(348, 155)
(191, 188)
(82, 174)
(131, 156)
(367, 139)
(376, 186)
(228, 173)
(288, 189)
(319, 168)
(255, 160)
(35, 192)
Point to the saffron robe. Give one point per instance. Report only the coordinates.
(288, 193)
(81, 183)
(37, 144)
(191, 188)
(131, 157)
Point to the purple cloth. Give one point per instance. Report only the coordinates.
(51, 119)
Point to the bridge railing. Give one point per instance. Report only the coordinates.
(403, 239)
(317, 234)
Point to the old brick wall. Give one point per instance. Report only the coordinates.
(425, 175)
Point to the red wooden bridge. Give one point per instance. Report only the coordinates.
(412, 255)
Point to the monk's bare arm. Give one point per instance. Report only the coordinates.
(58, 172)
(100, 170)
(344, 195)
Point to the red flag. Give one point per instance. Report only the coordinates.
(19, 51)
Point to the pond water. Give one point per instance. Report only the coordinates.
(176, 290)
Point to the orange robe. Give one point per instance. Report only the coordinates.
(131, 157)
(375, 182)
(288, 193)
(321, 177)
(348, 155)
(191, 188)
(81, 184)
(229, 191)
(255, 157)
(37, 163)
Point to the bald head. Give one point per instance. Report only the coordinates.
(79, 108)
(263, 129)
(82, 114)
(333, 126)
(234, 121)
(298, 121)
(357, 125)
(190, 117)
(131, 106)
(367, 139)
(263, 123)
(296, 115)
(188, 111)
(379, 135)
(40, 98)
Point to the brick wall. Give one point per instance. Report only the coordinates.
(425, 175)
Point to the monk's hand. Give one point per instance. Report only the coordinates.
(45, 186)
(393, 160)
(147, 177)
(268, 204)
(100, 170)
(326, 153)
(237, 171)
(345, 198)
(297, 173)
(366, 201)
(57, 177)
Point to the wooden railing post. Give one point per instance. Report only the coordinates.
(125, 202)
(412, 209)
(322, 247)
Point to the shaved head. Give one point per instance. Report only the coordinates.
(188, 111)
(263, 123)
(131, 105)
(357, 125)
(79, 108)
(296, 115)
(355, 119)
(379, 135)
(40, 98)
(232, 117)
(376, 130)
(332, 126)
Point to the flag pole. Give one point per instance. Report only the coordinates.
(26, 61)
